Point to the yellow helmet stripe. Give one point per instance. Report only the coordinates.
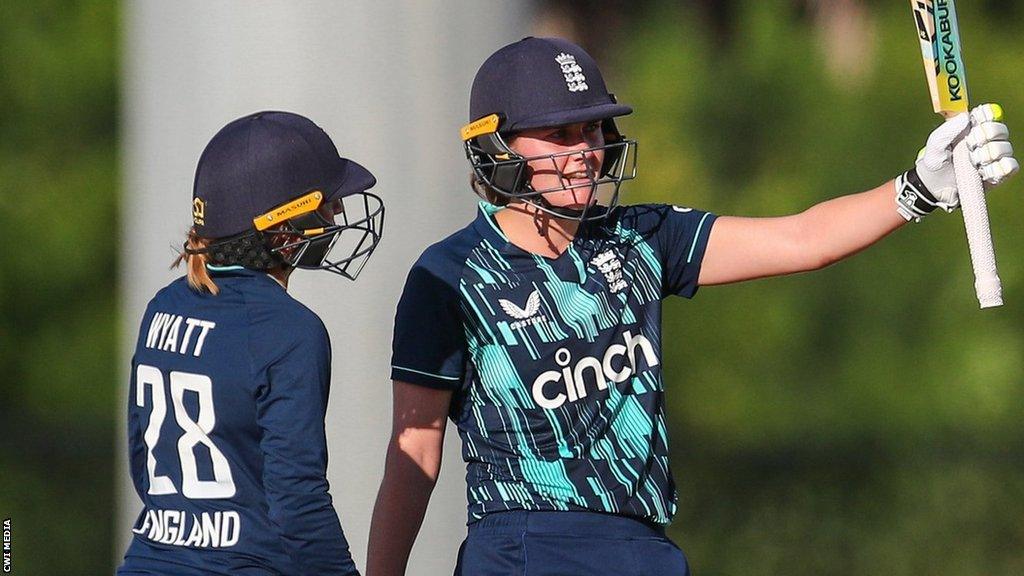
(282, 213)
(485, 125)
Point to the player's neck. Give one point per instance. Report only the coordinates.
(280, 275)
(535, 231)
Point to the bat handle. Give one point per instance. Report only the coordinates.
(979, 237)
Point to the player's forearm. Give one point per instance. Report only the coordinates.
(838, 228)
(399, 510)
(747, 248)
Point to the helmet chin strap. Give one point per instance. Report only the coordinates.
(543, 205)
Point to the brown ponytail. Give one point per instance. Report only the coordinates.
(198, 276)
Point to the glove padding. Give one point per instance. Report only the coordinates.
(931, 183)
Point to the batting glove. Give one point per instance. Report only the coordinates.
(931, 183)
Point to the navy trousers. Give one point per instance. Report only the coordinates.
(524, 543)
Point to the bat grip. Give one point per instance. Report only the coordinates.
(979, 237)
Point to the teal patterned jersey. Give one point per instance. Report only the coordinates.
(555, 364)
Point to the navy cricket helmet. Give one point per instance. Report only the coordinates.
(271, 189)
(538, 83)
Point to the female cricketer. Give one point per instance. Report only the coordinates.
(230, 376)
(537, 328)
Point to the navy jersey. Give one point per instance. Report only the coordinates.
(226, 434)
(555, 363)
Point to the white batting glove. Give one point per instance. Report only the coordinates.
(931, 183)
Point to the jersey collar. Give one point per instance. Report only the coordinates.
(487, 226)
(227, 271)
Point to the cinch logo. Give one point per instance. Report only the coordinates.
(526, 316)
(617, 365)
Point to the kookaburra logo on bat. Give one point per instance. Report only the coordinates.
(948, 59)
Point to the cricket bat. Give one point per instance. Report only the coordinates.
(944, 67)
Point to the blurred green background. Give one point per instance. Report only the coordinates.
(865, 419)
(860, 420)
(59, 195)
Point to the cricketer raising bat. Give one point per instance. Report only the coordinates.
(943, 63)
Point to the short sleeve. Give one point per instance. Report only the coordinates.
(429, 344)
(682, 238)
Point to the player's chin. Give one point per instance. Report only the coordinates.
(572, 199)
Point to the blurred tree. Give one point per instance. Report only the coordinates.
(863, 419)
(58, 195)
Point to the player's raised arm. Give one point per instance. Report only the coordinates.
(411, 467)
(748, 248)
